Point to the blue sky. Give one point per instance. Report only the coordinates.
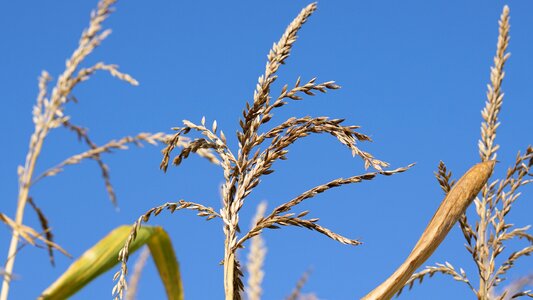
(414, 76)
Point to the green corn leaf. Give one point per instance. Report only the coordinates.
(103, 256)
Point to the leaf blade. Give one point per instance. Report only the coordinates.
(103, 256)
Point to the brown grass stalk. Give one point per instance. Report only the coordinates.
(487, 149)
(253, 116)
(257, 153)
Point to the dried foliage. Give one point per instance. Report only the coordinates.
(83, 136)
(258, 150)
(486, 238)
(257, 153)
(449, 212)
(445, 268)
(30, 235)
(95, 152)
(46, 229)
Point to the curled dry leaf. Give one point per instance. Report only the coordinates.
(451, 208)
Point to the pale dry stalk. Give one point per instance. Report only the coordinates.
(487, 150)
(233, 196)
(256, 259)
(48, 115)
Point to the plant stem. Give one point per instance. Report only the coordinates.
(482, 247)
(25, 176)
(36, 143)
(229, 265)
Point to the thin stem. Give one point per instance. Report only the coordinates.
(24, 187)
(229, 266)
(488, 151)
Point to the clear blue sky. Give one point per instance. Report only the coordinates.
(414, 76)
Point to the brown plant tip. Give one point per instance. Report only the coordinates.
(83, 136)
(487, 147)
(30, 235)
(444, 178)
(46, 229)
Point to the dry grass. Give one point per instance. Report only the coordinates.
(257, 152)
(49, 114)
